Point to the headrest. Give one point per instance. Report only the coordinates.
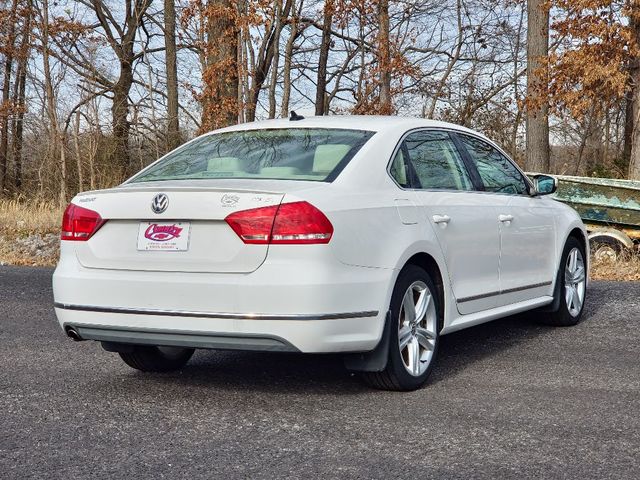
(224, 164)
(280, 172)
(327, 157)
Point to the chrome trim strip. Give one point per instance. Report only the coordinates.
(233, 316)
(508, 290)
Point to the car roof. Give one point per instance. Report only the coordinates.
(374, 123)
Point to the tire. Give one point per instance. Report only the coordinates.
(571, 306)
(157, 359)
(606, 248)
(407, 368)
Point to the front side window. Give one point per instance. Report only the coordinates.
(436, 161)
(497, 173)
(317, 154)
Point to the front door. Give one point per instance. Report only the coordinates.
(527, 229)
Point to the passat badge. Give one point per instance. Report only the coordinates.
(159, 203)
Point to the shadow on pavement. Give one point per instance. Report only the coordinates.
(325, 374)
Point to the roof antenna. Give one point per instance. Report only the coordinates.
(295, 117)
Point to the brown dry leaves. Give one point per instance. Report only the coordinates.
(592, 46)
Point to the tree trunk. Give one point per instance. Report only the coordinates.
(173, 126)
(537, 120)
(78, 152)
(321, 84)
(634, 157)
(628, 130)
(5, 105)
(276, 58)
(57, 143)
(220, 98)
(19, 97)
(119, 113)
(384, 59)
(288, 53)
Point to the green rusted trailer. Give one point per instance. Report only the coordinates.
(609, 208)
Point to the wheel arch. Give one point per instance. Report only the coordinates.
(430, 265)
(613, 234)
(580, 234)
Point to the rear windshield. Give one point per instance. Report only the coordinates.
(317, 154)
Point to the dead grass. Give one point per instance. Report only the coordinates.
(22, 218)
(20, 221)
(626, 268)
(23, 226)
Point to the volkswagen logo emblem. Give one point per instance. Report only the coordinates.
(159, 203)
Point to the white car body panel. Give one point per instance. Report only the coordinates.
(313, 298)
(470, 241)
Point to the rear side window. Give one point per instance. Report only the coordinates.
(317, 154)
(496, 171)
(399, 170)
(436, 161)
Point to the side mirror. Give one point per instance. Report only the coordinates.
(545, 184)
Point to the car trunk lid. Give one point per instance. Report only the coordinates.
(193, 221)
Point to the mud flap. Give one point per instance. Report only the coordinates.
(557, 291)
(376, 359)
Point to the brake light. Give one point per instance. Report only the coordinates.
(288, 223)
(79, 223)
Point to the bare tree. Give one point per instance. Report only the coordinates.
(171, 58)
(56, 145)
(634, 157)
(537, 119)
(19, 93)
(321, 84)
(384, 58)
(220, 95)
(121, 38)
(5, 107)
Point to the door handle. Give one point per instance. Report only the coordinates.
(441, 219)
(505, 218)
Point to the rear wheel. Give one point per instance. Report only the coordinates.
(157, 359)
(573, 286)
(413, 340)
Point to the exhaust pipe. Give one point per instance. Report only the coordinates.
(73, 334)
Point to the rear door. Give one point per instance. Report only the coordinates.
(192, 225)
(463, 219)
(527, 228)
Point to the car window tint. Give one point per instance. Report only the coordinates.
(398, 170)
(497, 173)
(436, 161)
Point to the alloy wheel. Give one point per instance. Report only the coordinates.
(417, 328)
(575, 280)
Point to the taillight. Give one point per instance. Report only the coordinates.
(288, 223)
(79, 223)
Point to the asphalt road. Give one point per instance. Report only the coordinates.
(510, 399)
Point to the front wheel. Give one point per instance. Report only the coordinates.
(157, 359)
(573, 285)
(414, 333)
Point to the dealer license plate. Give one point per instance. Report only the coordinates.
(164, 236)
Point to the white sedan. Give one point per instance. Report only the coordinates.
(370, 236)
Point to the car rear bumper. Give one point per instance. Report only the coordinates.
(305, 306)
(307, 335)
